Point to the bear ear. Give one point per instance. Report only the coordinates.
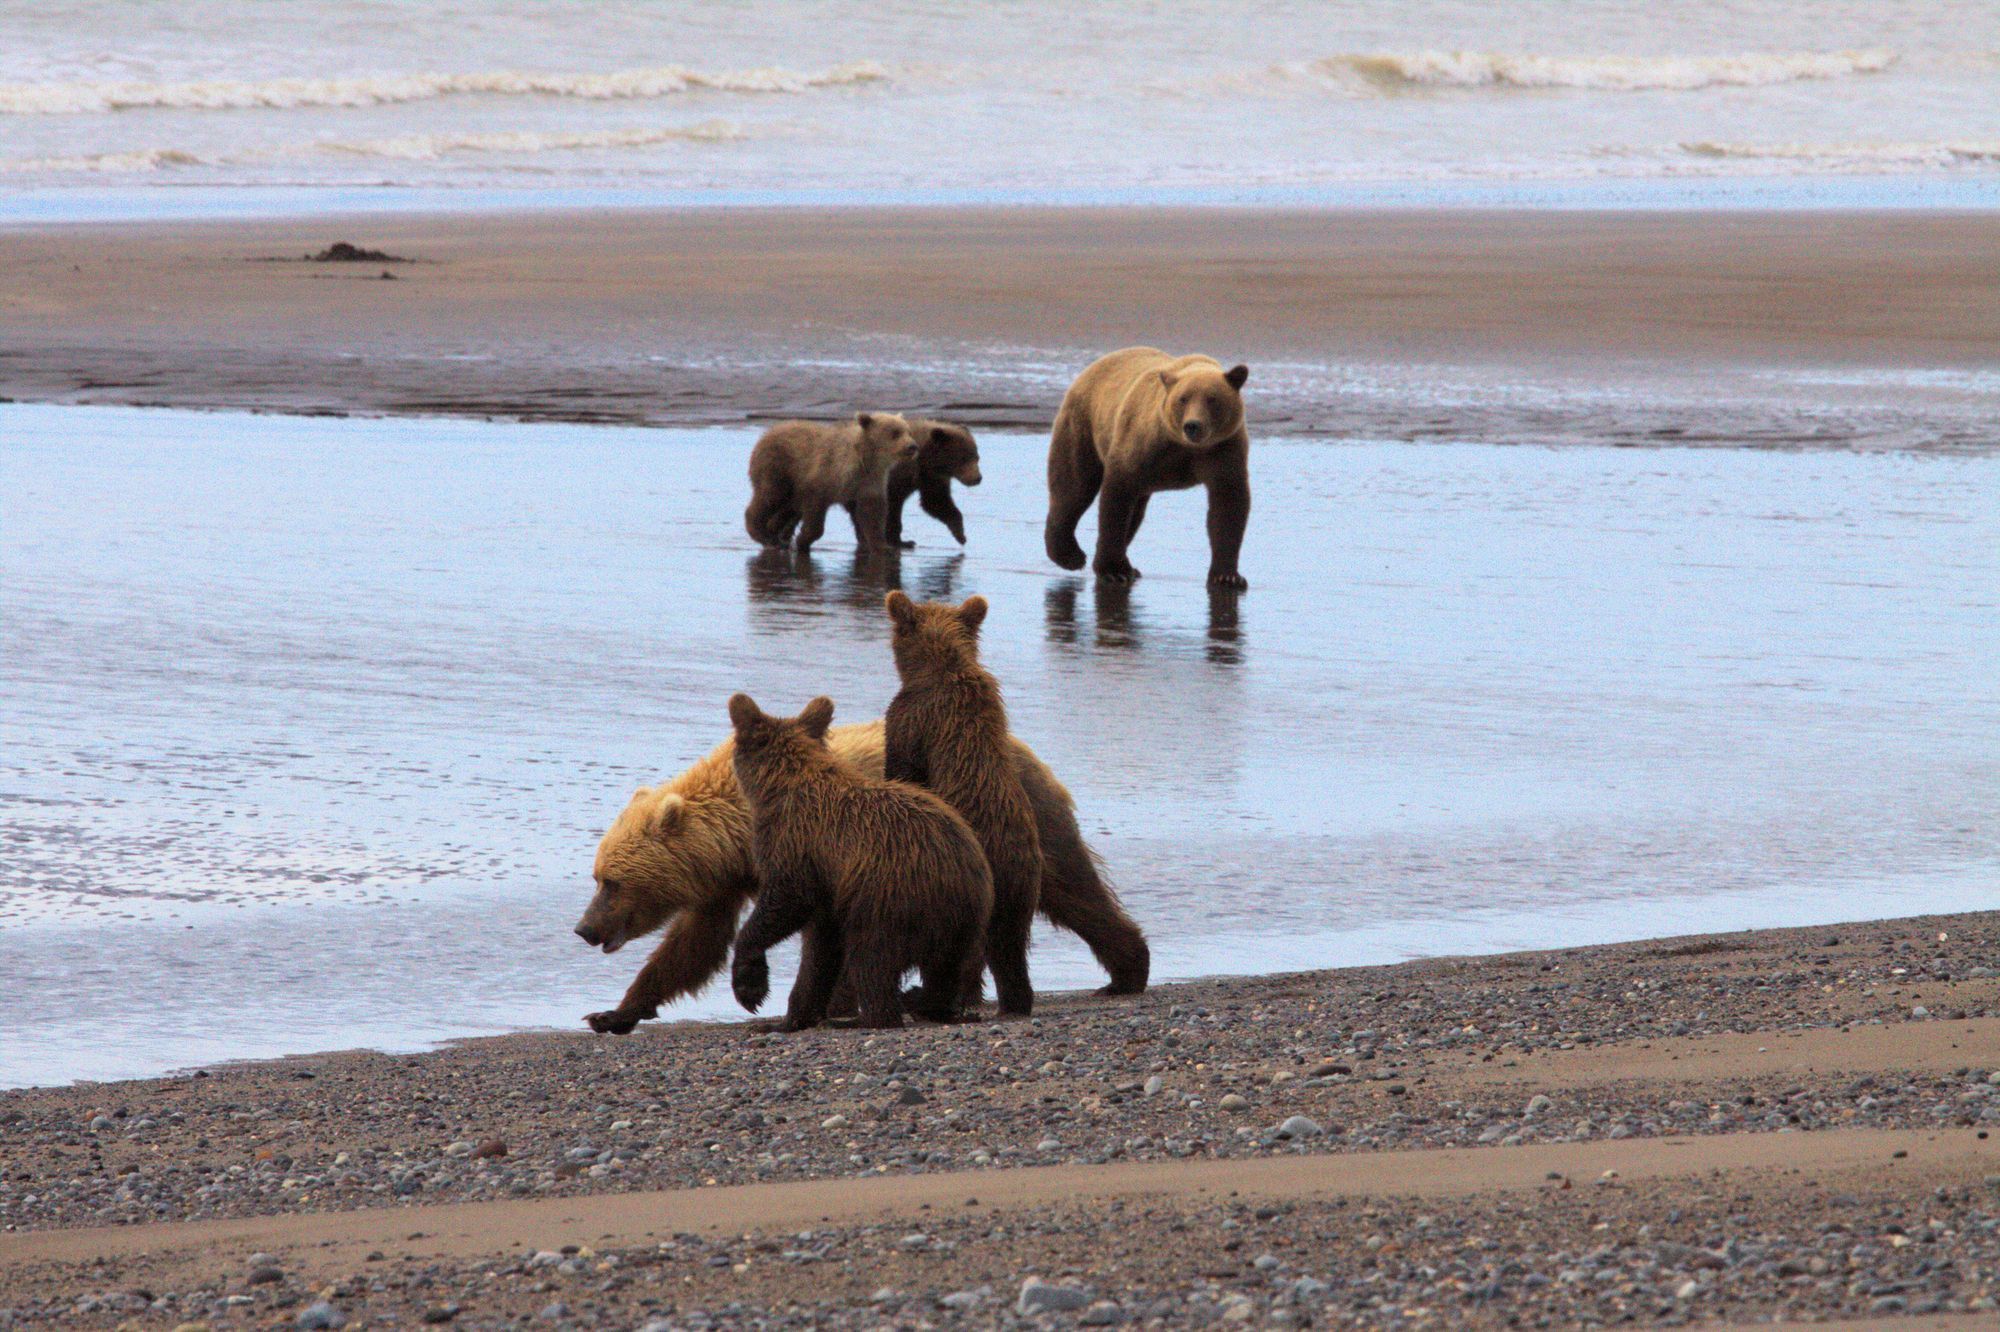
(1167, 379)
(901, 609)
(743, 711)
(672, 808)
(1237, 375)
(973, 613)
(817, 717)
(864, 419)
(940, 435)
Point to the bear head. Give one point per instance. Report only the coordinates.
(944, 449)
(885, 440)
(930, 635)
(663, 853)
(1204, 403)
(766, 745)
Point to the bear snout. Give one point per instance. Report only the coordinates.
(968, 475)
(1195, 431)
(588, 934)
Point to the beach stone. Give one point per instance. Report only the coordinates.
(490, 1150)
(910, 1096)
(319, 1316)
(264, 1276)
(1049, 1145)
(439, 1314)
(459, 1148)
(1299, 1126)
(1306, 1289)
(1104, 1313)
(1537, 1106)
(553, 1313)
(1233, 1103)
(834, 1122)
(1156, 1084)
(967, 1300)
(1039, 1296)
(658, 1325)
(1920, 1012)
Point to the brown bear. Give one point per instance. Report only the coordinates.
(678, 856)
(882, 876)
(946, 731)
(945, 453)
(1138, 422)
(800, 469)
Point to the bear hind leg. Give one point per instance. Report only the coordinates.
(1075, 475)
(878, 985)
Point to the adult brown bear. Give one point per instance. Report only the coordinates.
(946, 731)
(881, 876)
(1138, 422)
(678, 856)
(800, 469)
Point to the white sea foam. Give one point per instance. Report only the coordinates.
(404, 147)
(1871, 155)
(428, 147)
(1406, 71)
(659, 81)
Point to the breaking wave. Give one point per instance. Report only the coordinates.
(1487, 69)
(1883, 154)
(407, 147)
(662, 81)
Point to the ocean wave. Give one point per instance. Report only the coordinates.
(1493, 69)
(1880, 154)
(407, 147)
(662, 81)
(428, 147)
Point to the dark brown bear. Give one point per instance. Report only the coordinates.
(677, 858)
(1138, 422)
(800, 469)
(882, 876)
(946, 731)
(945, 453)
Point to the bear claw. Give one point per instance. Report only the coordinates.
(611, 1022)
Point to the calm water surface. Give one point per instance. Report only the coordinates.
(308, 728)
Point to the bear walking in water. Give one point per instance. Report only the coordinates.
(945, 453)
(1138, 422)
(678, 858)
(800, 469)
(946, 731)
(882, 876)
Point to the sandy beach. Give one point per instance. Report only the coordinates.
(1619, 326)
(1780, 1124)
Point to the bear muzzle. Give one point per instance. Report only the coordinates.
(968, 475)
(596, 938)
(1195, 431)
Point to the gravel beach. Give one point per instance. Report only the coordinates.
(1882, 1037)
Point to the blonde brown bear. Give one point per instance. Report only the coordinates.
(1138, 422)
(801, 469)
(678, 856)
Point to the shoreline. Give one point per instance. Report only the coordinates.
(1851, 329)
(1724, 1127)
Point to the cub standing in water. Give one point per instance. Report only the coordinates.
(800, 469)
(947, 732)
(945, 453)
(880, 875)
(1138, 422)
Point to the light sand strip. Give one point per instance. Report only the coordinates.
(473, 1229)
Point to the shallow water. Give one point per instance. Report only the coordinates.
(310, 726)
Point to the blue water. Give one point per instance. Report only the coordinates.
(308, 727)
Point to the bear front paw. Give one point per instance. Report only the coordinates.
(612, 1022)
(1232, 580)
(751, 982)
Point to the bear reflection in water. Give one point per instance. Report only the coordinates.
(780, 578)
(1118, 624)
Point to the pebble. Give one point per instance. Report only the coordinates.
(834, 1122)
(319, 1315)
(1538, 1105)
(1233, 1103)
(1157, 1084)
(1039, 1296)
(553, 1313)
(967, 1300)
(1298, 1126)
(1104, 1313)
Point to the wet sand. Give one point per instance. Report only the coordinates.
(1495, 325)
(1726, 1128)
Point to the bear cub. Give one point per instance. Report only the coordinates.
(945, 453)
(946, 731)
(880, 875)
(800, 469)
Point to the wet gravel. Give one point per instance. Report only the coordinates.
(1355, 1060)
